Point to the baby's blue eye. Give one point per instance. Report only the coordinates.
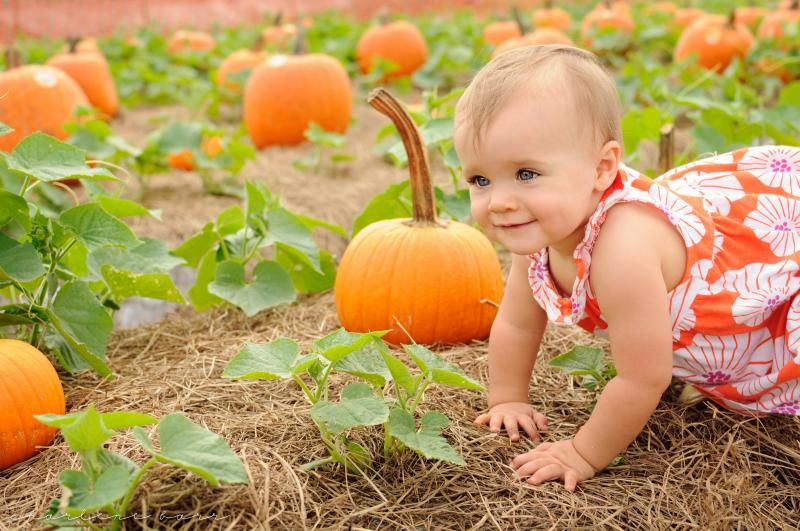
(526, 174)
(478, 180)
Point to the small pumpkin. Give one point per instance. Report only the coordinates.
(90, 70)
(551, 17)
(772, 26)
(750, 15)
(664, 7)
(606, 15)
(285, 93)
(716, 40)
(438, 281)
(399, 42)
(684, 17)
(29, 386)
(185, 40)
(37, 98)
(539, 36)
(238, 62)
(500, 31)
(184, 159)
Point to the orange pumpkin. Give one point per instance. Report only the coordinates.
(684, 16)
(287, 92)
(606, 15)
(749, 15)
(399, 42)
(667, 8)
(184, 40)
(772, 26)
(551, 17)
(184, 160)
(539, 36)
(500, 31)
(37, 98)
(716, 40)
(235, 63)
(29, 386)
(279, 35)
(90, 70)
(83, 45)
(435, 279)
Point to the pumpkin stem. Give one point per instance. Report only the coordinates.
(732, 19)
(548, 4)
(795, 5)
(418, 168)
(258, 44)
(384, 17)
(300, 40)
(278, 18)
(518, 19)
(13, 58)
(72, 44)
(666, 148)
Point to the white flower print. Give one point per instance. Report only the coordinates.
(793, 329)
(775, 166)
(718, 190)
(761, 288)
(765, 362)
(784, 399)
(776, 221)
(716, 360)
(682, 298)
(680, 214)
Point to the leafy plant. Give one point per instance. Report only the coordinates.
(225, 250)
(107, 480)
(365, 403)
(323, 140)
(588, 363)
(63, 272)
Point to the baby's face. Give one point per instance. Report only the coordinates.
(532, 177)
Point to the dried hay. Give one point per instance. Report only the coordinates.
(696, 467)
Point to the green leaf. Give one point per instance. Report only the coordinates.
(195, 248)
(642, 124)
(77, 313)
(96, 227)
(316, 134)
(790, 94)
(124, 284)
(14, 207)
(119, 420)
(151, 256)
(19, 262)
(201, 298)
(433, 131)
(400, 373)
(289, 231)
(198, 450)
(270, 361)
(304, 278)
(255, 200)
(85, 497)
(358, 407)
(580, 360)
(438, 370)
(271, 287)
(48, 159)
(394, 202)
(5, 129)
(230, 221)
(427, 441)
(122, 208)
(82, 431)
(341, 343)
(367, 363)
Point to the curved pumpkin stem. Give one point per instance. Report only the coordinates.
(72, 44)
(517, 17)
(418, 168)
(13, 58)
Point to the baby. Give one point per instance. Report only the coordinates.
(693, 274)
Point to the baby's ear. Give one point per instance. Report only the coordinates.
(608, 164)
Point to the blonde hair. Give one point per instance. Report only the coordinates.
(588, 81)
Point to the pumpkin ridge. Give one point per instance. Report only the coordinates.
(465, 246)
(12, 453)
(398, 253)
(20, 401)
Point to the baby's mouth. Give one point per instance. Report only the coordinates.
(514, 225)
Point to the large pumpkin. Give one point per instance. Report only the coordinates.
(90, 70)
(29, 386)
(716, 40)
(437, 281)
(399, 42)
(285, 93)
(37, 98)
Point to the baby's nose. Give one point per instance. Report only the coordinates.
(502, 201)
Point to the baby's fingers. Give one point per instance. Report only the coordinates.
(540, 420)
(529, 425)
(512, 428)
(482, 419)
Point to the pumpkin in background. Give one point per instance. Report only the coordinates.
(399, 42)
(500, 31)
(84, 45)
(551, 17)
(684, 16)
(750, 15)
(666, 8)
(539, 36)
(285, 93)
(184, 159)
(279, 35)
(716, 40)
(37, 98)
(772, 26)
(29, 386)
(606, 15)
(90, 70)
(184, 40)
(440, 281)
(236, 63)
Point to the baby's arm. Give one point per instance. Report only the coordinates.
(627, 280)
(513, 345)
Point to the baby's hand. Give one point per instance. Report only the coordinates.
(558, 460)
(514, 415)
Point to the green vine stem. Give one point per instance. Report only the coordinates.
(418, 167)
(123, 508)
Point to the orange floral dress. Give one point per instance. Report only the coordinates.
(736, 312)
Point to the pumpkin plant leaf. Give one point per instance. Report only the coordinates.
(96, 227)
(201, 298)
(367, 363)
(195, 248)
(358, 407)
(14, 207)
(82, 431)
(85, 496)
(580, 360)
(428, 440)
(120, 420)
(48, 159)
(271, 287)
(124, 284)
(19, 261)
(198, 450)
(400, 373)
(267, 361)
(438, 370)
(289, 231)
(123, 208)
(340, 343)
(304, 277)
(394, 202)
